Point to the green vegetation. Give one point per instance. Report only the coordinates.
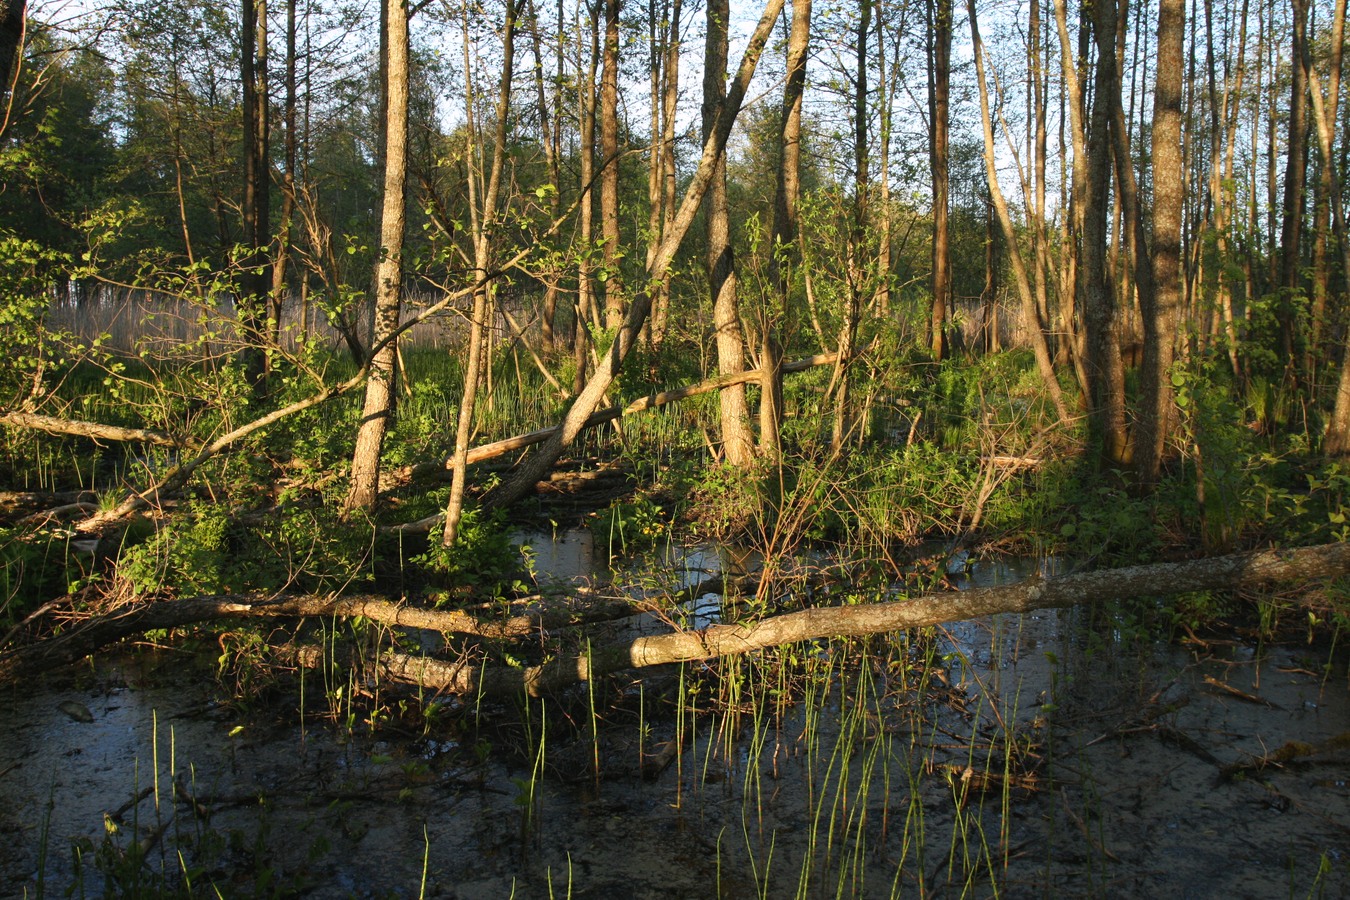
(861, 364)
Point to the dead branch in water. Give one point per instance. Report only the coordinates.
(1243, 570)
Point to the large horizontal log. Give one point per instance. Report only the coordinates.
(1243, 570)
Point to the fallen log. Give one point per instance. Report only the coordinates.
(1243, 570)
(96, 430)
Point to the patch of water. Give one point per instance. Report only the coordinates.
(1125, 778)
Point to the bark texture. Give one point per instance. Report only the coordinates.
(379, 403)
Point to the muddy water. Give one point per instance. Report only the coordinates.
(1122, 779)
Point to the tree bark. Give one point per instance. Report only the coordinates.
(95, 430)
(734, 413)
(255, 279)
(1295, 188)
(783, 234)
(13, 15)
(1160, 309)
(939, 92)
(380, 395)
(609, 175)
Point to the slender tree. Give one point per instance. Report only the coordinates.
(737, 440)
(483, 216)
(13, 15)
(380, 395)
(609, 174)
(1292, 210)
(1034, 326)
(783, 234)
(939, 102)
(255, 281)
(1160, 310)
(574, 419)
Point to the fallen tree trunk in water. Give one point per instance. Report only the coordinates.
(1242, 570)
(1159, 579)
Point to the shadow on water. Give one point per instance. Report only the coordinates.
(1036, 755)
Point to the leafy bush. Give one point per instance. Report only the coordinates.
(483, 556)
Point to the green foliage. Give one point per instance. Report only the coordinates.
(206, 551)
(629, 526)
(34, 355)
(191, 555)
(34, 566)
(725, 501)
(483, 556)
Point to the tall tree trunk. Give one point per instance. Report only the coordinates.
(939, 92)
(859, 259)
(288, 181)
(783, 234)
(255, 279)
(13, 17)
(587, 311)
(1072, 282)
(1295, 187)
(989, 294)
(484, 224)
(1337, 439)
(549, 131)
(1035, 327)
(379, 403)
(1096, 294)
(1160, 316)
(609, 175)
(737, 440)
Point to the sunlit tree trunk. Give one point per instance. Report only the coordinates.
(1160, 315)
(524, 477)
(549, 132)
(587, 309)
(1097, 297)
(13, 16)
(664, 34)
(859, 258)
(379, 402)
(609, 175)
(288, 181)
(783, 235)
(939, 92)
(484, 221)
(255, 279)
(1295, 186)
(1337, 439)
(1073, 279)
(737, 439)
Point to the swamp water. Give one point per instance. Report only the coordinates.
(1014, 756)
